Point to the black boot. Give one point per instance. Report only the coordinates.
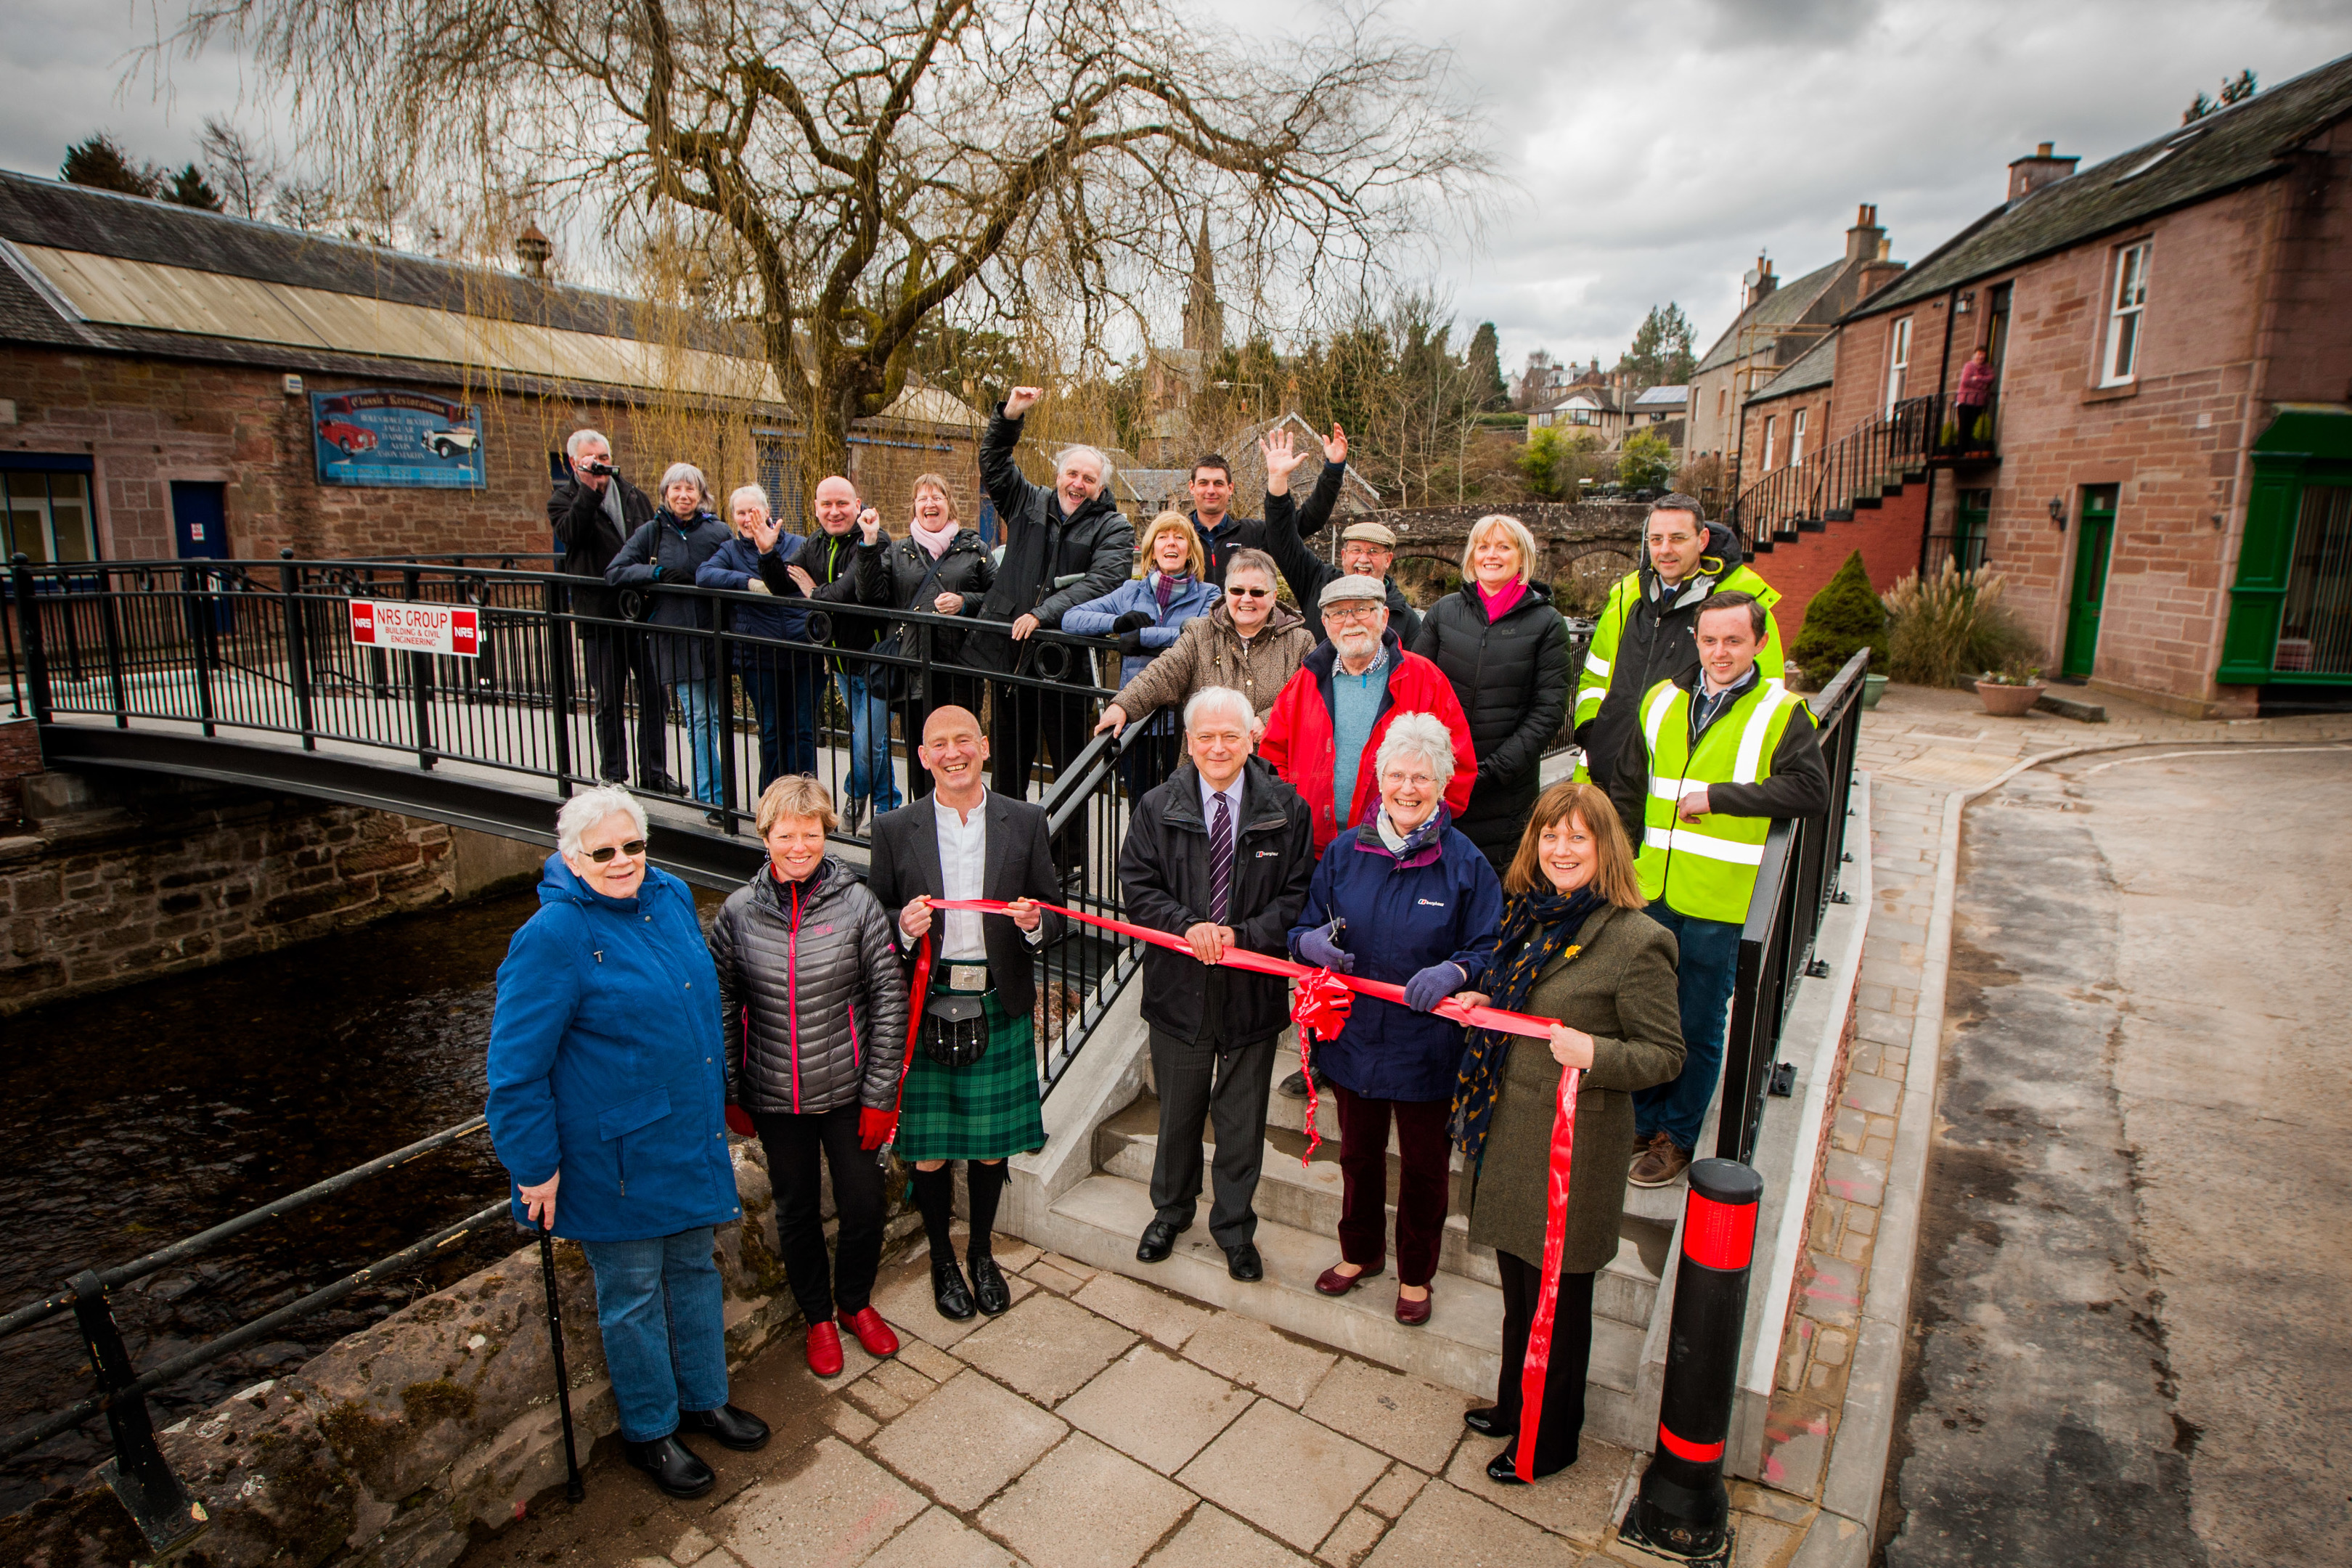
(672, 1467)
(738, 1429)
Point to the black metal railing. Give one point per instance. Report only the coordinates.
(1857, 469)
(1795, 885)
(1966, 551)
(139, 1474)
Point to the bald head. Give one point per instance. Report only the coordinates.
(954, 749)
(836, 503)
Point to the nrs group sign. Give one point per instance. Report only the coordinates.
(417, 628)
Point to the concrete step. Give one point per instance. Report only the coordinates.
(1308, 1197)
(1460, 1347)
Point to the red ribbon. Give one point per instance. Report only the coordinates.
(1318, 1006)
(1538, 1361)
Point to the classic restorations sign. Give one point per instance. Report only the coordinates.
(417, 628)
(400, 440)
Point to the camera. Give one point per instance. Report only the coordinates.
(594, 466)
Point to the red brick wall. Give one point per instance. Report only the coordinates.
(1814, 400)
(1887, 536)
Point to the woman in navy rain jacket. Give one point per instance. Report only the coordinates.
(606, 1107)
(1401, 896)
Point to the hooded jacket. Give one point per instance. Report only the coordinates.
(1511, 677)
(1643, 635)
(890, 573)
(1095, 618)
(604, 1062)
(736, 565)
(667, 550)
(812, 1000)
(1298, 734)
(1052, 560)
(589, 539)
(1210, 651)
(1442, 903)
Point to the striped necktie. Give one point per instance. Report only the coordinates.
(1221, 859)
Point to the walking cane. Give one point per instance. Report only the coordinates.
(572, 1490)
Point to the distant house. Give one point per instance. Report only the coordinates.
(1656, 406)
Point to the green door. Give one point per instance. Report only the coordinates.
(1972, 520)
(2095, 539)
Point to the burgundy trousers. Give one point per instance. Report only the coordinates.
(1423, 1148)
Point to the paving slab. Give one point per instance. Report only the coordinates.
(1402, 1416)
(1086, 1506)
(1396, 1491)
(939, 1540)
(835, 1511)
(1256, 1357)
(970, 1437)
(1577, 1503)
(1045, 1347)
(1213, 1538)
(1351, 1538)
(1153, 1406)
(1156, 1314)
(1448, 1526)
(1284, 1473)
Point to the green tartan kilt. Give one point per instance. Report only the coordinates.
(984, 1112)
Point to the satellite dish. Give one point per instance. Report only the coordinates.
(1751, 278)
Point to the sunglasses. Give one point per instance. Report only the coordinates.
(632, 849)
(1250, 593)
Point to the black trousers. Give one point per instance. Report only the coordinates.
(615, 658)
(943, 691)
(1029, 720)
(1571, 1359)
(1227, 1090)
(844, 1283)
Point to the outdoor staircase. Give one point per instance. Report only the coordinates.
(1100, 1219)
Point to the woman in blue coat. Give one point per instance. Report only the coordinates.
(1401, 896)
(607, 1107)
(781, 682)
(670, 550)
(1147, 615)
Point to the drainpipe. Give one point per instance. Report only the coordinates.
(1927, 517)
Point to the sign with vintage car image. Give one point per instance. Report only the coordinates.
(400, 440)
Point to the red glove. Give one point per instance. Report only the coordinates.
(875, 1127)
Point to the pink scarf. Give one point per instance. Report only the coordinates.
(1498, 605)
(937, 543)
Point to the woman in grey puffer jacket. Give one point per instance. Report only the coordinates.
(814, 1008)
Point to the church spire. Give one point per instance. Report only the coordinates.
(1204, 317)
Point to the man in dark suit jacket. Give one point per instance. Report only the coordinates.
(965, 841)
(593, 509)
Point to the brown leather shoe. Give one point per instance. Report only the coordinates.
(1331, 1282)
(1659, 1164)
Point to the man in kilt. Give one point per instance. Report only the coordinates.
(971, 1091)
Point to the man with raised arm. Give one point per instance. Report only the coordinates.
(1366, 549)
(825, 570)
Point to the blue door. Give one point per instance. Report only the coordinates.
(200, 533)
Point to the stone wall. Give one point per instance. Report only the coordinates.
(124, 876)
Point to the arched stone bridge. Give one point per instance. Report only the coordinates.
(1586, 545)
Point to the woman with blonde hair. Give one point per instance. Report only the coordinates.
(941, 568)
(1575, 947)
(1504, 649)
(1147, 615)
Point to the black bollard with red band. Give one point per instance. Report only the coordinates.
(1683, 1510)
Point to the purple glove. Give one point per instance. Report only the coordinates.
(1425, 990)
(1318, 948)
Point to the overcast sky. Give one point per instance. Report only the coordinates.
(1651, 148)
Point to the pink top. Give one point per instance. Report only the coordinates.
(1976, 383)
(1499, 605)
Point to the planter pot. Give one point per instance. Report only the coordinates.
(2008, 701)
(1874, 687)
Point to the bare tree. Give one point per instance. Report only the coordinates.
(305, 203)
(843, 170)
(244, 172)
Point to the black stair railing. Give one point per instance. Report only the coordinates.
(1858, 469)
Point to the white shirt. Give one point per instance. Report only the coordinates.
(964, 866)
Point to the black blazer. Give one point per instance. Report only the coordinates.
(905, 864)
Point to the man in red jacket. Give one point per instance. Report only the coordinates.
(1327, 722)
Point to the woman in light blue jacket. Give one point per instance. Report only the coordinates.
(1146, 616)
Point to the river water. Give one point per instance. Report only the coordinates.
(132, 1118)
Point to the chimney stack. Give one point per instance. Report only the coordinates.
(1862, 240)
(2043, 168)
(1764, 282)
(533, 247)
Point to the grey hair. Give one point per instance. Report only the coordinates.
(1102, 463)
(1521, 541)
(1422, 736)
(1252, 560)
(678, 471)
(1212, 699)
(579, 438)
(591, 806)
(755, 492)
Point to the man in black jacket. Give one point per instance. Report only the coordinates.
(593, 509)
(1221, 855)
(1222, 535)
(1063, 546)
(1366, 549)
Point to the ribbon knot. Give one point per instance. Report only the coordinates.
(1320, 1001)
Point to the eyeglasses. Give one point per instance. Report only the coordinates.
(633, 848)
(1250, 593)
(1349, 613)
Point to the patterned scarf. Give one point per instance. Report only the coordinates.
(1537, 928)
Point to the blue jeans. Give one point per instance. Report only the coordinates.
(660, 1304)
(782, 690)
(699, 710)
(1708, 968)
(870, 772)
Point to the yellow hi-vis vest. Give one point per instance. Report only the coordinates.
(1609, 627)
(1706, 869)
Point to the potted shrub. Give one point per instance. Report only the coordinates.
(1844, 617)
(2011, 691)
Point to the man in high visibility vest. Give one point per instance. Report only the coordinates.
(1646, 633)
(1714, 757)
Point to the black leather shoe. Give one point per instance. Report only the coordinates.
(948, 1290)
(1243, 1262)
(1504, 1472)
(734, 1427)
(660, 783)
(988, 1286)
(1158, 1241)
(672, 1467)
(1484, 1424)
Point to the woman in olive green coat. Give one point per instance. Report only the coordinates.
(1576, 947)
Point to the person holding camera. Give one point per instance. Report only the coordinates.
(594, 510)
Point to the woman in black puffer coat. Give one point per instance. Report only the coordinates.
(1505, 650)
(814, 1008)
(943, 569)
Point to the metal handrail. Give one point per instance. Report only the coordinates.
(1859, 465)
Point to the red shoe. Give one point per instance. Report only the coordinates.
(1413, 1314)
(871, 1331)
(1331, 1282)
(824, 1349)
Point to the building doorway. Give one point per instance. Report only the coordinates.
(2314, 635)
(199, 520)
(2094, 542)
(1971, 520)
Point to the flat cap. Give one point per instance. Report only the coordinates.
(1371, 533)
(1346, 590)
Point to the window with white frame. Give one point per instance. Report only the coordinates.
(2125, 309)
(1898, 361)
(1797, 437)
(1771, 436)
